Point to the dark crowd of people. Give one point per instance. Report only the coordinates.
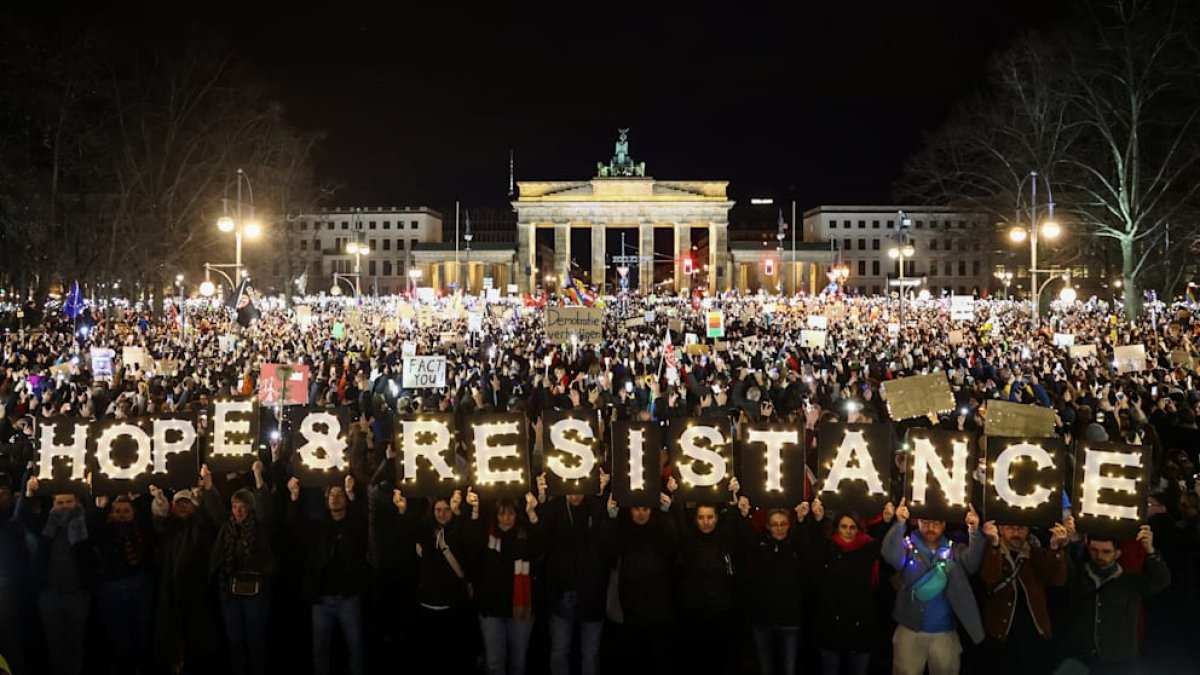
(252, 573)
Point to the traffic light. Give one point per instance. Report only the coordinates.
(769, 266)
(687, 264)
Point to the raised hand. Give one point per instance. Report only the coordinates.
(348, 484)
(802, 510)
(734, 486)
(206, 481)
(102, 502)
(972, 519)
(604, 479)
(993, 533)
(672, 485)
(1146, 536)
(32, 486)
(1059, 536)
(818, 510)
(399, 501)
(531, 503)
(541, 487)
(456, 501)
(157, 495)
(902, 512)
(293, 486)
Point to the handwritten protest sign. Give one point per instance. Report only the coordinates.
(585, 324)
(424, 372)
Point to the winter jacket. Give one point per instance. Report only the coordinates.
(644, 557)
(41, 547)
(439, 586)
(573, 561)
(327, 543)
(259, 561)
(1101, 614)
(773, 569)
(494, 554)
(186, 622)
(704, 584)
(842, 585)
(1040, 569)
(912, 566)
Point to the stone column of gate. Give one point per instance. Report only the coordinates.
(526, 249)
(599, 274)
(718, 244)
(562, 253)
(646, 251)
(683, 248)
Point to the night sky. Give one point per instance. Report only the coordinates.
(421, 102)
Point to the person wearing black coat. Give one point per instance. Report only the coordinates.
(704, 586)
(773, 570)
(845, 574)
(504, 552)
(642, 547)
(186, 636)
(443, 587)
(124, 546)
(335, 571)
(576, 578)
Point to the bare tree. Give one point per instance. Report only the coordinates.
(1134, 92)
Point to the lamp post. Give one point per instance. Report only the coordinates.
(901, 253)
(779, 235)
(467, 237)
(182, 306)
(1005, 278)
(235, 223)
(1034, 232)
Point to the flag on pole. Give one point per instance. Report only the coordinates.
(73, 305)
(579, 294)
(242, 301)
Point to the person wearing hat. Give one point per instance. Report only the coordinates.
(935, 596)
(185, 633)
(242, 564)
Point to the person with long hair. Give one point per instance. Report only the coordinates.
(505, 549)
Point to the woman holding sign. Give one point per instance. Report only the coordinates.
(505, 550)
(845, 569)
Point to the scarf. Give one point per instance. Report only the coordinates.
(76, 526)
(129, 537)
(239, 543)
(860, 540)
(522, 588)
(1102, 575)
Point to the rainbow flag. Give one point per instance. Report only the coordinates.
(579, 294)
(1191, 295)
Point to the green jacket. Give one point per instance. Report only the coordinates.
(1101, 617)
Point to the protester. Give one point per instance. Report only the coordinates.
(334, 571)
(1017, 571)
(430, 583)
(65, 568)
(124, 542)
(846, 578)
(242, 563)
(505, 549)
(1100, 621)
(936, 595)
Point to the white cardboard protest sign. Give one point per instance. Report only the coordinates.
(424, 372)
(962, 308)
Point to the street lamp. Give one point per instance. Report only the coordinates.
(207, 288)
(235, 223)
(779, 235)
(1005, 278)
(1048, 229)
(901, 253)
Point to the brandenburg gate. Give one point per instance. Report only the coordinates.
(621, 195)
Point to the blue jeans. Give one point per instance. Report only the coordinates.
(246, 627)
(346, 612)
(563, 620)
(857, 663)
(505, 642)
(778, 648)
(126, 605)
